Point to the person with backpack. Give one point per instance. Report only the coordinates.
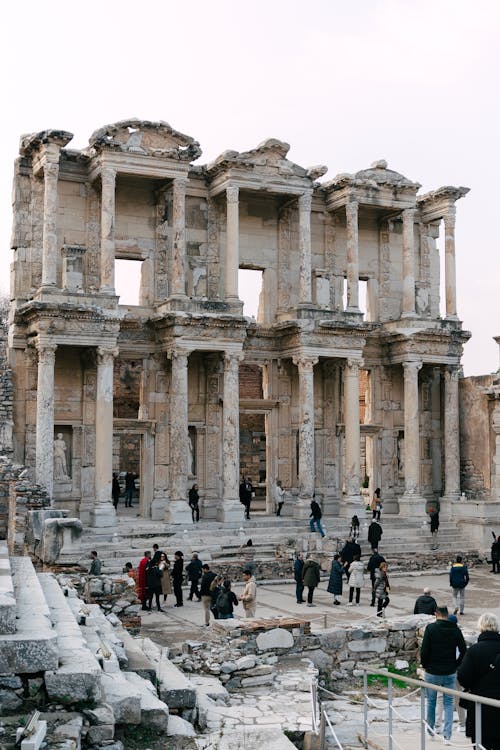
(194, 570)
(215, 589)
(459, 578)
(226, 600)
(206, 595)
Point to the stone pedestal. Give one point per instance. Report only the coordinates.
(178, 512)
(103, 518)
(411, 506)
(231, 512)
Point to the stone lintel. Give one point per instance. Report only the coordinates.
(137, 165)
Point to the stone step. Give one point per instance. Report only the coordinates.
(174, 687)
(248, 737)
(138, 662)
(7, 600)
(123, 697)
(154, 712)
(33, 647)
(77, 677)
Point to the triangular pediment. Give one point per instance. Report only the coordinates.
(147, 138)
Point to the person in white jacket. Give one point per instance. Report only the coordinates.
(356, 580)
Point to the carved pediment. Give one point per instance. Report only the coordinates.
(145, 137)
(33, 141)
(375, 177)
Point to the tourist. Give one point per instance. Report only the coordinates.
(246, 495)
(215, 589)
(95, 565)
(347, 553)
(153, 583)
(249, 595)
(495, 554)
(193, 570)
(382, 589)
(134, 574)
(374, 534)
(143, 588)
(335, 580)
(459, 578)
(279, 497)
(194, 500)
(425, 604)
(129, 488)
(315, 518)
(208, 576)
(177, 577)
(356, 580)
(372, 566)
(115, 490)
(376, 504)
(166, 584)
(226, 600)
(434, 521)
(298, 567)
(354, 530)
(438, 654)
(156, 554)
(248, 552)
(479, 673)
(310, 577)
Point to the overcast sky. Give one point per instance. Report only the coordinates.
(345, 83)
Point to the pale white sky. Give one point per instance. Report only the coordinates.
(416, 83)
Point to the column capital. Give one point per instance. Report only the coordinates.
(353, 364)
(232, 194)
(351, 209)
(180, 183)
(233, 358)
(108, 175)
(411, 368)
(453, 372)
(305, 363)
(179, 355)
(104, 355)
(449, 216)
(46, 352)
(305, 201)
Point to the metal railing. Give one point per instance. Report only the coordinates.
(321, 723)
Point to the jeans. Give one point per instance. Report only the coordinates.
(226, 617)
(316, 522)
(129, 493)
(299, 591)
(443, 680)
(459, 596)
(206, 602)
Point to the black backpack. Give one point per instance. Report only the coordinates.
(224, 603)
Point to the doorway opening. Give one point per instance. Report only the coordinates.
(253, 432)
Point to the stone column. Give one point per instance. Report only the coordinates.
(495, 467)
(179, 426)
(108, 184)
(408, 306)
(232, 243)
(305, 201)
(451, 434)
(412, 429)
(352, 434)
(307, 473)
(449, 263)
(49, 248)
(103, 514)
(230, 509)
(45, 417)
(351, 212)
(178, 267)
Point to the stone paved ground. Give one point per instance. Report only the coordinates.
(288, 704)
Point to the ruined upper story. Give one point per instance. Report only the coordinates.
(134, 193)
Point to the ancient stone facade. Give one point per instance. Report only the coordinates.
(91, 375)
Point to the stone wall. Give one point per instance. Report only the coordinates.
(24, 496)
(6, 390)
(476, 447)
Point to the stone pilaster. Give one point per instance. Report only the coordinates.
(45, 417)
(351, 212)
(232, 243)
(103, 514)
(178, 268)
(495, 472)
(449, 263)
(451, 433)
(230, 508)
(49, 248)
(307, 473)
(408, 307)
(412, 502)
(305, 202)
(108, 185)
(352, 434)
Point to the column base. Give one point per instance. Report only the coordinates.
(353, 505)
(103, 517)
(412, 506)
(178, 511)
(231, 511)
(302, 508)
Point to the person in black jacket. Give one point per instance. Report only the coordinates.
(438, 655)
(373, 564)
(194, 570)
(495, 554)
(374, 534)
(153, 582)
(177, 575)
(206, 597)
(479, 673)
(194, 503)
(459, 578)
(347, 554)
(425, 604)
(298, 567)
(315, 517)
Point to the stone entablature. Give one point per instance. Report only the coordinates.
(134, 194)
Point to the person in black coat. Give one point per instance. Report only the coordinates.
(194, 571)
(298, 567)
(347, 554)
(495, 555)
(479, 673)
(425, 604)
(335, 580)
(115, 490)
(246, 494)
(177, 576)
(153, 583)
(373, 564)
(194, 503)
(374, 534)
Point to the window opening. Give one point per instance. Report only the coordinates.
(362, 294)
(128, 280)
(249, 290)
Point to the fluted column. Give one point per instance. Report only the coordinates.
(305, 202)
(412, 428)
(352, 430)
(451, 433)
(178, 268)
(232, 242)
(408, 307)
(307, 471)
(103, 513)
(49, 248)
(179, 426)
(108, 185)
(45, 417)
(351, 211)
(449, 263)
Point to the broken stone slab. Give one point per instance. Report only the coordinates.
(246, 662)
(9, 701)
(137, 660)
(210, 715)
(154, 712)
(123, 697)
(175, 689)
(178, 727)
(209, 686)
(266, 679)
(275, 638)
(372, 644)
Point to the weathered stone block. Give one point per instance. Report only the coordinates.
(275, 638)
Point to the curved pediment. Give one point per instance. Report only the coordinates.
(135, 136)
(377, 175)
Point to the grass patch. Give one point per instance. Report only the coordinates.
(376, 680)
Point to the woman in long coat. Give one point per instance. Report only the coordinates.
(153, 581)
(142, 589)
(177, 577)
(479, 673)
(311, 578)
(166, 584)
(335, 580)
